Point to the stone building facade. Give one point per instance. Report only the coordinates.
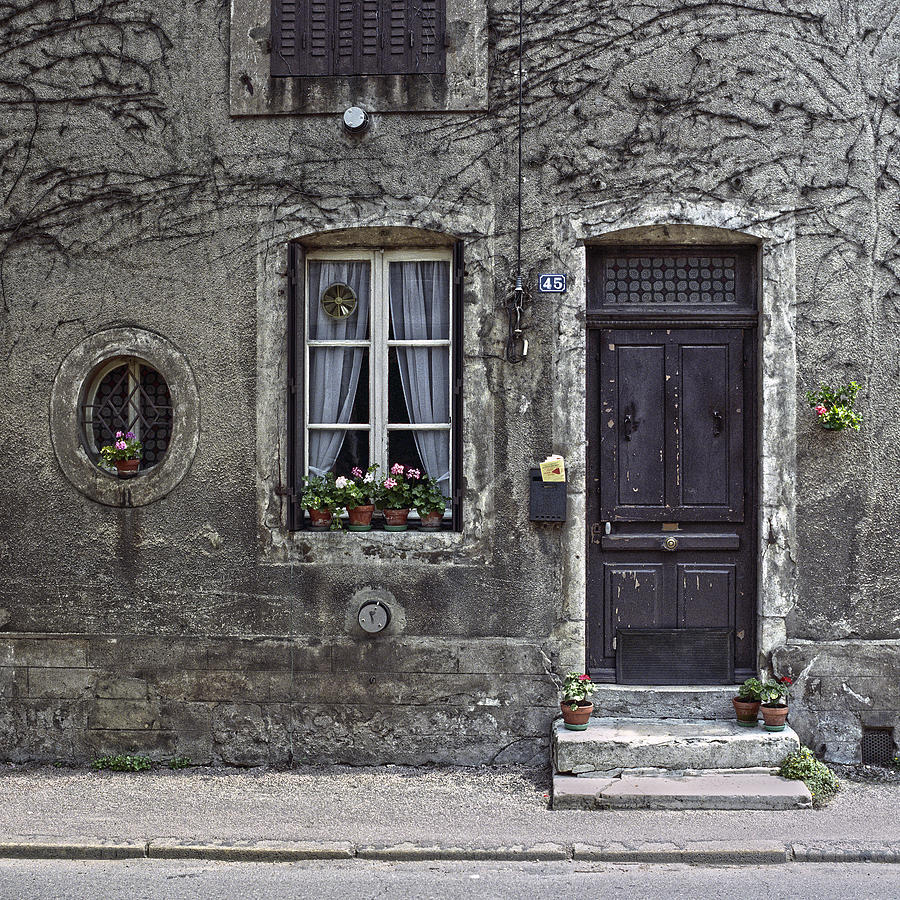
(164, 200)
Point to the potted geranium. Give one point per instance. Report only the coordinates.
(124, 454)
(357, 497)
(774, 694)
(834, 406)
(393, 495)
(746, 704)
(321, 498)
(576, 708)
(428, 500)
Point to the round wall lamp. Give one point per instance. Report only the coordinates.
(356, 120)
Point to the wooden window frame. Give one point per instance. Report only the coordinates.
(378, 345)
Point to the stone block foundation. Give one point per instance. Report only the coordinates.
(278, 701)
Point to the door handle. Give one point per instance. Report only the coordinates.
(627, 427)
(718, 421)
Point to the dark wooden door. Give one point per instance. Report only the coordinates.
(671, 533)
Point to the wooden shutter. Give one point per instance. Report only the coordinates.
(357, 37)
(456, 410)
(302, 37)
(426, 22)
(295, 343)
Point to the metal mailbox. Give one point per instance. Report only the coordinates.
(547, 501)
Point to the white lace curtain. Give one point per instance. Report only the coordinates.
(334, 371)
(420, 310)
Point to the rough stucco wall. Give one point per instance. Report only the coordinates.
(130, 196)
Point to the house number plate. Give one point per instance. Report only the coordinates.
(552, 283)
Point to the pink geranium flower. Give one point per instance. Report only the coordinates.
(120, 445)
(118, 434)
(820, 410)
(356, 472)
(396, 469)
(413, 473)
(390, 483)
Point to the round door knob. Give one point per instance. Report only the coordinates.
(670, 543)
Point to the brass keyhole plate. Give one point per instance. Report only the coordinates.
(670, 543)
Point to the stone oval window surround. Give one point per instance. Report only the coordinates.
(143, 362)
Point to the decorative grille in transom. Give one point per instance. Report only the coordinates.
(683, 279)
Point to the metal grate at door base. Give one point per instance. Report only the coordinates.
(877, 746)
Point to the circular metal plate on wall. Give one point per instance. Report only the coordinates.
(339, 300)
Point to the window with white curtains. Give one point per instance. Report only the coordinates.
(378, 363)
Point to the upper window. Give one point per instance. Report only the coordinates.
(127, 395)
(357, 37)
(377, 365)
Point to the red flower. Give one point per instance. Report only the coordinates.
(785, 680)
(584, 677)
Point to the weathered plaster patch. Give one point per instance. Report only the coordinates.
(679, 222)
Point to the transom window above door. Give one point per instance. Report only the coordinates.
(376, 363)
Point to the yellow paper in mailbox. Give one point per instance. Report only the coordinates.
(553, 468)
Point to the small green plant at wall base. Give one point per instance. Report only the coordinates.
(750, 691)
(802, 766)
(126, 446)
(577, 687)
(179, 762)
(122, 763)
(834, 406)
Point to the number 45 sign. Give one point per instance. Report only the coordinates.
(552, 284)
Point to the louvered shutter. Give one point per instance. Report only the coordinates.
(357, 37)
(426, 22)
(302, 37)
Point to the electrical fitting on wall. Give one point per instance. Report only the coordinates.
(356, 120)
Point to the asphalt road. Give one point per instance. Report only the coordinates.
(147, 878)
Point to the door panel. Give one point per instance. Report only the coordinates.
(705, 595)
(636, 594)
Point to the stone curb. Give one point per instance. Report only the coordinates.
(693, 853)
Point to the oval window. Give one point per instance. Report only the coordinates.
(127, 395)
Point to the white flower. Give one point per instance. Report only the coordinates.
(369, 477)
(340, 482)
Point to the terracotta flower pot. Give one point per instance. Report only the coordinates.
(774, 717)
(747, 712)
(360, 518)
(320, 518)
(395, 519)
(126, 467)
(430, 521)
(576, 719)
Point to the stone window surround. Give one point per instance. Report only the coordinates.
(434, 225)
(65, 404)
(680, 222)
(253, 92)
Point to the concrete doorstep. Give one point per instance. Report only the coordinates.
(693, 852)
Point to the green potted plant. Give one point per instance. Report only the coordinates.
(746, 704)
(774, 694)
(576, 708)
(393, 495)
(357, 497)
(124, 454)
(321, 498)
(834, 406)
(428, 500)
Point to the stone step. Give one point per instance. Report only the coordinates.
(612, 746)
(638, 701)
(680, 792)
